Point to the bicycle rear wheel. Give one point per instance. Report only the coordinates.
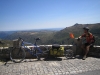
(68, 53)
(17, 55)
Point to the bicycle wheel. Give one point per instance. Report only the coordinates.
(17, 55)
(38, 54)
(68, 53)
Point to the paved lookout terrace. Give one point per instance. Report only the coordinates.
(57, 66)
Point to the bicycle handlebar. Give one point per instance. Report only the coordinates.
(20, 39)
(36, 39)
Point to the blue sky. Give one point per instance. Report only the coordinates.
(40, 14)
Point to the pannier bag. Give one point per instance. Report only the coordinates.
(57, 50)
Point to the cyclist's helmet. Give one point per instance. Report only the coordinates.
(86, 28)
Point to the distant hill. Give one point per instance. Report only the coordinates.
(77, 30)
(55, 36)
(5, 34)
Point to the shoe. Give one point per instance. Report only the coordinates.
(84, 57)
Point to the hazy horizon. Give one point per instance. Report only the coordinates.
(36, 29)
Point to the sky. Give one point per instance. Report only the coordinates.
(41, 14)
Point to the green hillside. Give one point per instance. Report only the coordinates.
(6, 43)
(59, 37)
(29, 36)
(77, 30)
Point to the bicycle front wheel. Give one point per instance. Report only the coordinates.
(17, 55)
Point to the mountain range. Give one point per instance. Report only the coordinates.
(54, 36)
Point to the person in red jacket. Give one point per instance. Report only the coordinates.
(87, 41)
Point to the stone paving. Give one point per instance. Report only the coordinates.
(60, 66)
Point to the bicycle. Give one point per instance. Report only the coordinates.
(18, 54)
(69, 52)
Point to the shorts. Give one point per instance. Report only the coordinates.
(89, 44)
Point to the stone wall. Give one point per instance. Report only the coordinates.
(94, 51)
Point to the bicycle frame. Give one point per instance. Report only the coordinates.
(35, 47)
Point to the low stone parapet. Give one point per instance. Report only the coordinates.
(76, 47)
(94, 51)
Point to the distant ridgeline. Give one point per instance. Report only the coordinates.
(52, 36)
